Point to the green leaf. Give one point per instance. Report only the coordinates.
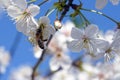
(59, 5)
(74, 14)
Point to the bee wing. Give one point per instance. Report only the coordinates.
(49, 30)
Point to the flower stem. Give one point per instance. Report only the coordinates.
(43, 2)
(66, 9)
(31, 1)
(85, 19)
(100, 13)
(50, 11)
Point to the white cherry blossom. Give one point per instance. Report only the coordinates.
(115, 2)
(46, 27)
(60, 60)
(112, 49)
(66, 74)
(117, 34)
(4, 59)
(86, 39)
(66, 30)
(58, 47)
(109, 36)
(100, 4)
(22, 73)
(24, 16)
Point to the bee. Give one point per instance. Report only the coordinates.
(39, 37)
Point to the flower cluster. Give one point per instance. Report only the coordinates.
(58, 40)
(58, 48)
(90, 72)
(23, 15)
(22, 73)
(87, 72)
(89, 39)
(38, 31)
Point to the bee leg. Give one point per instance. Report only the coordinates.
(41, 44)
(45, 40)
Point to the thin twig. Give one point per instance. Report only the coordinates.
(40, 59)
(32, 1)
(86, 20)
(66, 9)
(49, 11)
(43, 2)
(37, 64)
(100, 13)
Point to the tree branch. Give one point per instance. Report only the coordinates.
(40, 59)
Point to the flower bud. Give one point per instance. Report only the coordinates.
(57, 24)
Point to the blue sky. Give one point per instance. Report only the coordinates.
(24, 52)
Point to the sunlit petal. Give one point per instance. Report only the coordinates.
(22, 4)
(75, 45)
(54, 64)
(14, 11)
(91, 30)
(33, 9)
(44, 20)
(76, 33)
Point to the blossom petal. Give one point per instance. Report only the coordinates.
(100, 4)
(34, 9)
(116, 43)
(32, 26)
(76, 33)
(115, 2)
(33, 22)
(54, 64)
(92, 48)
(44, 20)
(117, 34)
(13, 11)
(22, 4)
(65, 62)
(21, 25)
(109, 35)
(91, 30)
(101, 44)
(46, 33)
(48, 30)
(75, 45)
(5, 3)
(51, 30)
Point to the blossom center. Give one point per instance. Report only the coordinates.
(108, 51)
(85, 39)
(59, 55)
(26, 12)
